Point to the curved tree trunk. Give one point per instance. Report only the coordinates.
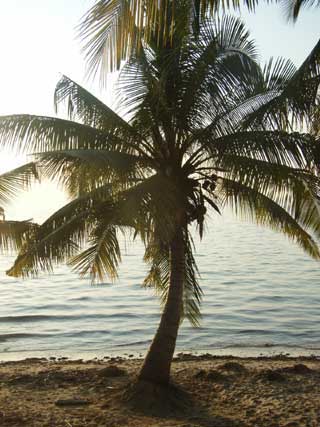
(156, 366)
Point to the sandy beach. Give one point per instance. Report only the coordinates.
(224, 391)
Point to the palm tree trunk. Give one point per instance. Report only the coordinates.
(156, 366)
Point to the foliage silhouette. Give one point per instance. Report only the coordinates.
(206, 127)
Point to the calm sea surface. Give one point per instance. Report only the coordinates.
(260, 292)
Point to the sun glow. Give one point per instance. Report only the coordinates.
(37, 203)
(37, 43)
(9, 161)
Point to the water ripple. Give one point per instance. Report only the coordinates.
(259, 290)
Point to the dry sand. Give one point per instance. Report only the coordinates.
(226, 392)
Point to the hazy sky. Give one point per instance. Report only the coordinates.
(38, 42)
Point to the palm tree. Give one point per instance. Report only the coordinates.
(206, 127)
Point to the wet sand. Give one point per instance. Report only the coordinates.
(225, 392)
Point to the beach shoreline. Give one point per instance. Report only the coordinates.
(267, 350)
(227, 391)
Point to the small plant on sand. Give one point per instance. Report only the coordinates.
(205, 127)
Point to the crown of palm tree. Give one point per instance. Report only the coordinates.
(207, 127)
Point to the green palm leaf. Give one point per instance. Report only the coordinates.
(282, 148)
(17, 179)
(293, 7)
(13, 234)
(112, 29)
(88, 109)
(62, 235)
(295, 100)
(252, 205)
(266, 177)
(217, 60)
(81, 171)
(102, 256)
(158, 257)
(39, 134)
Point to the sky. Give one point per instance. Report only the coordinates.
(38, 43)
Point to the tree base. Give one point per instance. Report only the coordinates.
(156, 399)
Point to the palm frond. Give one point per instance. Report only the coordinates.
(246, 97)
(267, 177)
(84, 170)
(216, 62)
(102, 159)
(60, 236)
(108, 31)
(192, 293)
(293, 7)
(157, 255)
(295, 190)
(276, 74)
(278, 147)
(13, 234)
(89, 110)
(293, 104)
(252, 205)
(17, 179)
(102, 256)
(27, 134)
(43, 248)
(111, 29)
(145, 97)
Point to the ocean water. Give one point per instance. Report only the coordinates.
(261, 294)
